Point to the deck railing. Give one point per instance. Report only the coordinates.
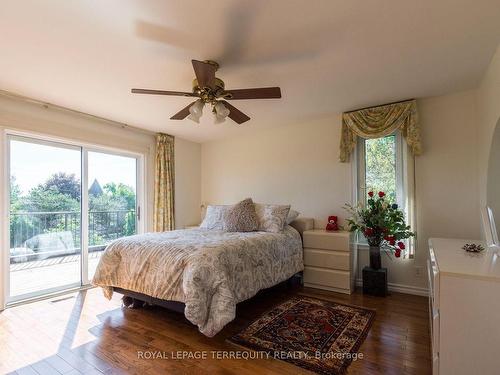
(41, 235)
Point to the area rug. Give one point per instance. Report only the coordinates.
(317, 335)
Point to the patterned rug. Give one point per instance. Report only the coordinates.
(317, 335)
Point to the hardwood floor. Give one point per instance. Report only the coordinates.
(84, 333)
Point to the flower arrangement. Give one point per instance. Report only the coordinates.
(382, 224)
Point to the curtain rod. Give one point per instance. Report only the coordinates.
(47, 105)
(380, 105)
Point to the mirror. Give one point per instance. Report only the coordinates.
(493, 187)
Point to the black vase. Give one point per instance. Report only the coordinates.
(375, 258)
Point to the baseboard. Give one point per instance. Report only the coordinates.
(331, 289)
(400, 288)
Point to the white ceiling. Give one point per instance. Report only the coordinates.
(328, 56)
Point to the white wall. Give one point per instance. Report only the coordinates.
(187, 183)
(294, 164)
(298, 164)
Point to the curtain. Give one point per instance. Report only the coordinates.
(376, 122)
(163, 219)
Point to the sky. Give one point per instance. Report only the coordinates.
(34, 163)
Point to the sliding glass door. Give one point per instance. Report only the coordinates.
(45, 217)
(112, 202)
(57, 229)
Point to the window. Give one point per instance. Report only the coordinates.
(383, 164)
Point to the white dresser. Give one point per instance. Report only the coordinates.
(464, 306)
(329, 260)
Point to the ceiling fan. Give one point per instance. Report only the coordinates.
(211, 90)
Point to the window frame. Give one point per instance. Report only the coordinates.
(85, 147)
(404, 184)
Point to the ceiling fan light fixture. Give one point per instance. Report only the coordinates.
(211, 90)
(220, 112)
(196, 110)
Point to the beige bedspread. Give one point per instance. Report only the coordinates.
(210, 271)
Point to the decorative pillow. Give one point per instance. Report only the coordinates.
(272, 217)
(213, 217)
(292, 215)
(240, 217)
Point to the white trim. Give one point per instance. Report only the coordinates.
(401, 288)
(41, 293)
(140, 196)
(409, 186)
(401, 172)
(50, 295)
(490, 229)
(84, 219)
(36, 136)
(354, 187)
(5, 235)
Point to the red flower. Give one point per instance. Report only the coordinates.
(368, 231)
(397, 253)
(370, 193)
(392, 242)
(381, 194)
(385, 230)
(401, 245)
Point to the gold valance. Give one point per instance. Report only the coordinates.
(376, 122)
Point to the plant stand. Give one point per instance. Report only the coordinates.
(375, 281)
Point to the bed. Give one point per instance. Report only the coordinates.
(203, 272)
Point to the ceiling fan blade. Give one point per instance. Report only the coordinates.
(235, 114)
(256, 93)
(205, 73)
(183, 113)
(162, 92)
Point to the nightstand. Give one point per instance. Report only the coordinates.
(329, 260)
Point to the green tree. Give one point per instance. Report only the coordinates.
(31, 214)
(380, 156)
(122, 193)
(15, 195)
(111, 219)
(63, 183)
(16, 221)
(34, 211)
(40, 199)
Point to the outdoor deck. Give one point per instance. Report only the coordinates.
(29, 277)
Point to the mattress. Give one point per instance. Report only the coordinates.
(209, 271)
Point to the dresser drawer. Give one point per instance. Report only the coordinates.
(339, 260)
(326, 277)
(330, 241)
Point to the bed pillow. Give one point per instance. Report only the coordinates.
(213, 217)
(272, 217)
(292, 215)
(240, 217)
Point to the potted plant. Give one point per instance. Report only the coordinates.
(384, 227)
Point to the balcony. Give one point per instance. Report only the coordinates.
(45, 247)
